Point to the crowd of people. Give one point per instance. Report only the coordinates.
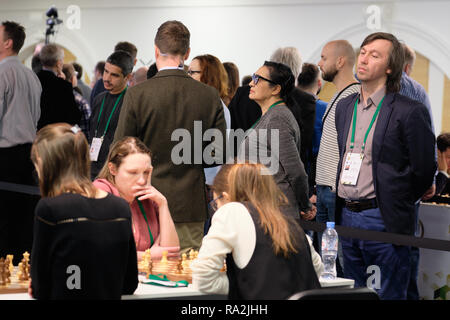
(154, 159)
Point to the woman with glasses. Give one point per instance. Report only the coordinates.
(83, 246)
(127, 174)
(274, 139)
(268, 256)
(209, 70)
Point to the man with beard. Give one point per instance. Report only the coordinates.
(336, 63)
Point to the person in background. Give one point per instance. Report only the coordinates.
(71, 76)
(57, 99)
(209, 70)
(309, 81)
(152, 70)
(79, 229)
(268, 256)
(386, 163)
(139, 76)
(20, 94)
(443, 146)
(98, 73)
(85, 89)
(233, 80)
(107, 108)
(271, 88)
(127, 174)
(246, 80)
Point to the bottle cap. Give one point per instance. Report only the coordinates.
(330, 224)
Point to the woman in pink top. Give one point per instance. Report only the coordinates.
(127, 174)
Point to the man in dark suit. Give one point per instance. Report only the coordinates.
(57, 100)
(386, 164)
(442, 178)
(164, 108)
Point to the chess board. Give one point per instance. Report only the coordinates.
(16, 285)
(170, 269)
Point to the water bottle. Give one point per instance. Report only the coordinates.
(329, 251)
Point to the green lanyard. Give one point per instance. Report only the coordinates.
(276, 103)
(110, 116)
(352, 142)
(145, 217)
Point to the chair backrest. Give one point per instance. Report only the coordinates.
(336, 294)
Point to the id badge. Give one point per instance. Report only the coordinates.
(95, 148)
(352, 166)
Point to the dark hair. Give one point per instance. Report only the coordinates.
(36, 63)
(396, 59)
(233, 78)
(152, 70)
(100, 66)
(308, 75)
(127, 47)
(173, 38)
(78, 69)
(123, 60)
(443, 141)
(15, 32)
(282, 75)
(246, 80)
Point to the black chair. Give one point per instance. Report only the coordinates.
(336, 294)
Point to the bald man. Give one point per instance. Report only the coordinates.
(140, 75)
(336, 64)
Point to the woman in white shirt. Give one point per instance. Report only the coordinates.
(267, 253)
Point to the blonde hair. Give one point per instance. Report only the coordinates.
(245, 183)
(118, 151)
(61, 154)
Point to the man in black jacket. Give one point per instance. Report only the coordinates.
(57, 100)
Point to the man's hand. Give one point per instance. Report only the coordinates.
(310, 214)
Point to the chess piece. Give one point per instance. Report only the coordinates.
(191, 254)
(26, 256)
(180, 266)
(11, 265)
(184, 260)
(149, 268)
(2, 272)
(164, 257)
(20, 272)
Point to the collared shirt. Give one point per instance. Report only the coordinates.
(364, 188)
(20, 96)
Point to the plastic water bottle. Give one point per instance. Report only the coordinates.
(329, 251)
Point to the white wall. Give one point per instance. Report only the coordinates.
(245, 32)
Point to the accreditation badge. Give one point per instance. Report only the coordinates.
(95, 148)
(352, 166)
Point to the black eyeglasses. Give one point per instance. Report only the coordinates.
(213, 203)
(256, 77)
(191, 72)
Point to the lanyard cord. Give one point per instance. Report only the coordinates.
(276, 103)
(110, 116)
(145, 217)
(352, 141)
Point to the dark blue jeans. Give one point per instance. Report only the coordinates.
(392, 261)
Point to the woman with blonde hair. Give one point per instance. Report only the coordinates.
(79, 230)
(268, 256)
(127, 174)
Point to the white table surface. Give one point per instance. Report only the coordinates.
(146, 291)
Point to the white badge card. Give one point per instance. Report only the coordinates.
(351, 170)
(95, 148)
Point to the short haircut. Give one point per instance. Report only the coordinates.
(396, 59)
(78, 69)
(173, 38)
(443, 141)
(127, 47)
(100, 66)
(50, 54)
(410, 55)
(308, 76)
(343, 48)
(289, 56)
(123, 60)
(246, 80)
(15, 32)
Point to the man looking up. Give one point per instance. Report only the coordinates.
(107, 107)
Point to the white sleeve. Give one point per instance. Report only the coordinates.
(232, 231)
(316, 259)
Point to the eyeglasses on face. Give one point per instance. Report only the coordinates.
(256, 77)
(191, 72)
(213, 203)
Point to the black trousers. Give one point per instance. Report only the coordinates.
(16, 208)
